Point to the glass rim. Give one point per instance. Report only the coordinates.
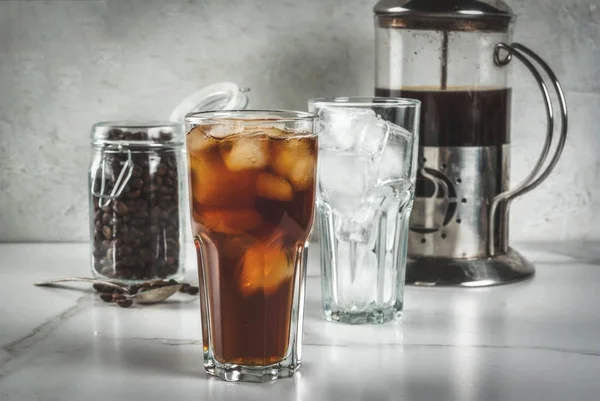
(136, 124)
(365, 101)
(249, 116)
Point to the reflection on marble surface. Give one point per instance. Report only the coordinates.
(538, 339)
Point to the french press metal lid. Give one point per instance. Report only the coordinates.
(451, 55)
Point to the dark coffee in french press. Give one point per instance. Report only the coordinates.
(460, 116)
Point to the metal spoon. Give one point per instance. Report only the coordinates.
(150, 296)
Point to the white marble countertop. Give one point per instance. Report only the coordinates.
(536, 340)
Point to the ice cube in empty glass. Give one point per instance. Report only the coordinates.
(366, 183)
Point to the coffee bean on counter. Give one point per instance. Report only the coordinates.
(116, 297)
(106, 297)
(108, 290)
(193, 290)
(124, 303)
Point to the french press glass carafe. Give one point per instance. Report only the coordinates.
(451, 55)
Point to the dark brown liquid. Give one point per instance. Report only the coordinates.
(250, 233)
(460, 117)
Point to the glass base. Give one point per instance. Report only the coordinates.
(255, 374)
(372, 316)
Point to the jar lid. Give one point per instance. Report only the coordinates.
(145, 133)
(215, 97)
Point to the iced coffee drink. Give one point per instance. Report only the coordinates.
(252, 192)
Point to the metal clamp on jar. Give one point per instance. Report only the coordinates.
(451, 55)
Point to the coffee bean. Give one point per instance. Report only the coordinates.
(106, 218)
(161, 169)
(99, 287)
(138, 222)
(137, 171)
(137, 183)
(113, 134)
(141, 206)
(158, 180)
(193, 290)
(165, 136)
(142, 214)
(122, 230)
(155, 212)
(117, 296)
(106, 297)
(107, 232)
(133, 289)
(134, 194)
(141, 136)
(124, 303)
(184, 287)
(120, 207)
(146, 255)
(125, 273)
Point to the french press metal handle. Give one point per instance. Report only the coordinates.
(537, 176)
(103, 194)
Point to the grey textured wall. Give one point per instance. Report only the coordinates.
(67, 64)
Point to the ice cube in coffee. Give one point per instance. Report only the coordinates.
(252, 197)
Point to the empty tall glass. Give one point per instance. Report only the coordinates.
(366, 182)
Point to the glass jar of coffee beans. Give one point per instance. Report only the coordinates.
(137, 202)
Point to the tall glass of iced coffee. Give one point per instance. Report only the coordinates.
(252, 195)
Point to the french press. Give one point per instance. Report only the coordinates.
(451, 55)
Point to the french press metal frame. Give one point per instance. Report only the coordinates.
(537, 176)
